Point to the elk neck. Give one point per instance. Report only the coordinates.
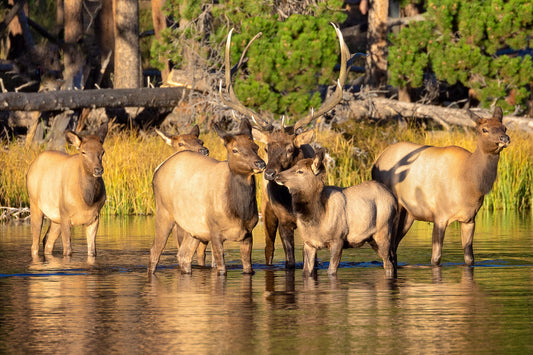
(91, 188)
(241, 197)
(310, 205)
(481, 169)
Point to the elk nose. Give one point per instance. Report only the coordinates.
(97, 172)
(270, 174)
(261, 165)
(505, 139)
(204, 151)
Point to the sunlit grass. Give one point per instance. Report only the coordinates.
(131, 159)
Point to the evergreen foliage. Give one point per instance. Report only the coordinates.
(476, 43)
(286, 66)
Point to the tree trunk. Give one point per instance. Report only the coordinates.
(73, 58)
(105, 37)
(376, 62)
(127, 55)
(160, 23)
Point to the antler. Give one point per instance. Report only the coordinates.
(336, 97)
(233, 102)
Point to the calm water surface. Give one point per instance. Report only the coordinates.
(108, 304)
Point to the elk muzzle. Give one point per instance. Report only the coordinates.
(259, 166)
(98, 172)
(204, 151)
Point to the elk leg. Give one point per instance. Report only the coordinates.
(217, 249)
(246, 253)
(51, 237)
(309, 260)
(200, 253)
(405, 221)
(438, 239)
(467, 238)
(36, 216)
(65, 237)
(178, 237)
(186, 252)
(287, 238)
(335, 256)
(91, 237)
(382, 245)
(270, 222)
(163, 225)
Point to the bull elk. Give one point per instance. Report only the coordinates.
(210, 200)
(336, 218)
(68, 190)
(284, 146)
(187, 142)
(443, 184)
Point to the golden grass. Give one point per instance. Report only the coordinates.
(131, 159)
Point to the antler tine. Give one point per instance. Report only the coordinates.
(336, 97)
(233, 101)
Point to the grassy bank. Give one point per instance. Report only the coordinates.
(131, 159)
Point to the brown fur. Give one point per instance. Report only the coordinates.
(443, 184)
(68, 190)
(334, 218)
(192, 191)
(284, 148)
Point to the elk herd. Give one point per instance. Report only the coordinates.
(201, 201)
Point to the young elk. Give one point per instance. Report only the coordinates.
(284, 146)
(210, 200)
(187, 142)
(68, 190)
(336, 218)
(443, 184)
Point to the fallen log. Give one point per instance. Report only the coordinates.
(74, 99)
(383, 108)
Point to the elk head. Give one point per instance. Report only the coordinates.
(305, 177)
(242, 150)
(91, 149)
(189, 141)
(283, 145)
(492, 133)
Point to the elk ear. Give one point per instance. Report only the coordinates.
(259, 136)
(195, 131)
(73, 138)
(318, 165)
(101, 133)
(221, 133)
(304, 138)
(498, 113)
(164, 136)
(473, 116)
(245, 127)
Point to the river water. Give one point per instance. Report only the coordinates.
(108, 304)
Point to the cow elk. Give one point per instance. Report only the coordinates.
(337, 218)
(443, 184)
(187, 142)
(210, 200)
(284, 146)
(68, 190)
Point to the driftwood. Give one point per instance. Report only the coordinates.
(74, 99)
(383, 108)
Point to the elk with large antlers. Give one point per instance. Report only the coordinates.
(284, 146)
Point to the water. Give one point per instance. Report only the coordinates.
(80, 305)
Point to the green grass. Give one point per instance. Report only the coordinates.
(131, 159)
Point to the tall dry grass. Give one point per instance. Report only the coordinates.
(131, 159)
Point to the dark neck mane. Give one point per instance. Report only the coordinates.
(309, 208)
(242, 201)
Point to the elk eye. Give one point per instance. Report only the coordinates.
(181, 144)
(83, 152)
(485, 130)
(299, 171)
(235, 150)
